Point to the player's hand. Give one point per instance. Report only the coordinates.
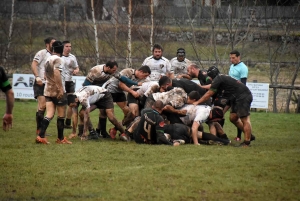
(135, 94)
(195, 103)
(140, 83)
(39, 81)
(59, 95)
(7, 122)
(76, 71)
(179, 76)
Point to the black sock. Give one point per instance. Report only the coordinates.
(44, 126)
(102, 122)
(68, 122)
(39, 118)
(209, 136)
(239, 133)
(60, 128)
(224, 136)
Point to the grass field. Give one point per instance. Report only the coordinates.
(116, 170)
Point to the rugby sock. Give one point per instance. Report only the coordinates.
(224, 136)
(68, 122)
(208, 136)
(39, 118)
(60, 128)
(44, 126)
(239, 133)
(102, 126)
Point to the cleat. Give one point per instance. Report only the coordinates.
(252, 137)
(93, 135)
(237, 139)
(68, 127)
(64, 141)
(112, 133)
(124, 137)
(41, 140)
(243, 145)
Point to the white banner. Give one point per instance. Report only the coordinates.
(260, 93)
(23, 85)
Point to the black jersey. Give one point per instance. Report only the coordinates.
(178, 132)
(150, 128)
(232, 88)
(4, 83)
(190, 86)
(204, 79)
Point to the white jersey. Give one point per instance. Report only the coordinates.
(53, 62)
(41, 57)
(70, 65)
(179, 67)
(112, 85)
(158, 67)
(148, 88)
(89, 95)
(177, 97)
(197, 113)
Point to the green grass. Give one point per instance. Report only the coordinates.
(115, 170)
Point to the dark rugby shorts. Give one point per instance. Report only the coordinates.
(106, 102)
(242, 106)
(38, 90)
(118, 97)
(59, 102)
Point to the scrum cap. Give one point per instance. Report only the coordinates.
(213, 71)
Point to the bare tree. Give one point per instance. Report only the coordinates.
(129, 59)
(95, 32)
(11, 26)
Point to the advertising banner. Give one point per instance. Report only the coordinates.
(23, 85)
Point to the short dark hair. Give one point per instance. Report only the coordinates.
(194, 95)
(194, 65)
(48, 40)
(157, 46)
(237, 53)
(111, 64)
(58, 47)
(71, 98)
(66, 41)
(158, 105)
(145, 69)
(164, 80)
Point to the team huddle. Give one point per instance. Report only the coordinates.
(160, 102)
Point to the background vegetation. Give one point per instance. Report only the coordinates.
(116, 170)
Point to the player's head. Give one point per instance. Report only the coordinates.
(213, 71)
(164, 82)
(58, 47)
(180, 54)
(67, 47)
(72, 100)
(143, 72)
(158, 106)
(48, 42)
(193, 70)
(193, 96)
(235, 57)
(111, 67)
(157, 51)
